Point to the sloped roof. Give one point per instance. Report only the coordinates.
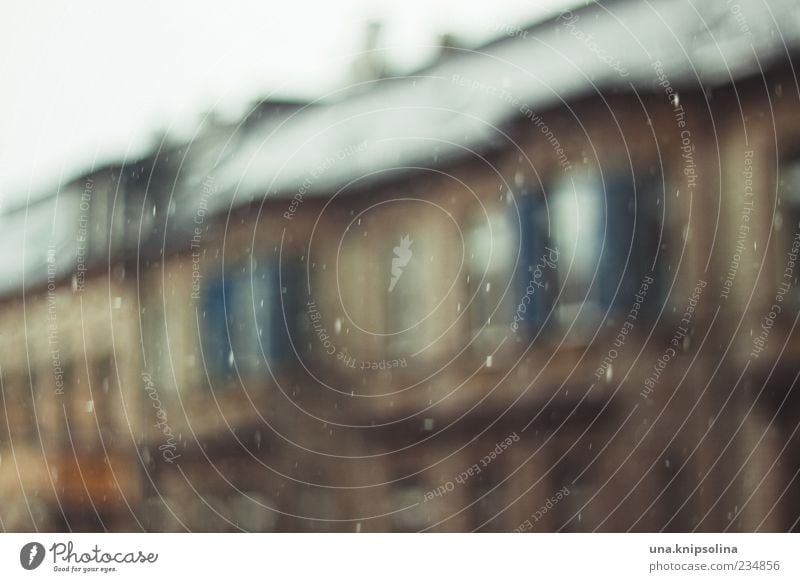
(426, 119)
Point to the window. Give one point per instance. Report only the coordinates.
(217, 349)
(491, 252)
(249, 315)
(171, 318)
(64, 403)
(355, 314)
(104, 392)
(418, 273)
(19, 403)
(157, 329)
(80, 405)
(4, 424)
(489, 495)
(573, 485)
(251, 512)
(411, 297)
(536, 288)
(318, 507)
(409, 515)
(587, 245)
(577, 235)
(675, 488)
(786, 225)
(33, 396)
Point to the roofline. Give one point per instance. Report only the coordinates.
(532, 27)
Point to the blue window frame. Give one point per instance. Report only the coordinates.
(216, 342)
(634, 240)
(538, 286)
(249, 315)
(588, 244)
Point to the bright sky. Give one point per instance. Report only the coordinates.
(96, 80)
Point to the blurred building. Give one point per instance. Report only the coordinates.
(547, 284)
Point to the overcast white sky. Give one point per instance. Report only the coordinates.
(90, 80)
